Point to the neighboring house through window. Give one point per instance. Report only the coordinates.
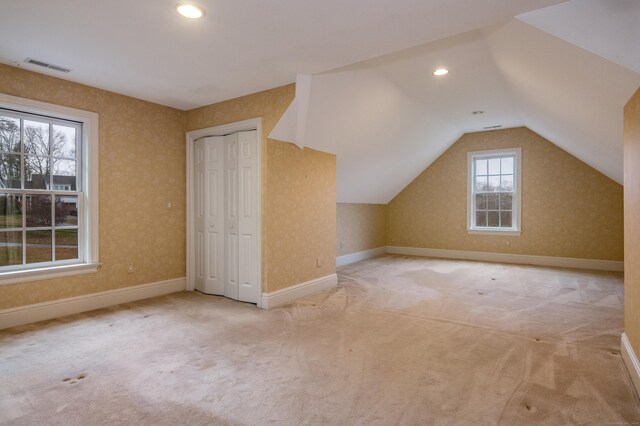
(494, 191)
(48, 190)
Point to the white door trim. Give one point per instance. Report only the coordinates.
(224, 129)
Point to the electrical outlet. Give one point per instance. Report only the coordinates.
(507, 243)
(130, 268)
(341, 244)
(317, 262)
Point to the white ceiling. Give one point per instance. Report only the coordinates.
(364, 70)
(389, 118)
(146, 50)
(607, 28)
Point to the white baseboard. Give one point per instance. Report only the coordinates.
(289, 294)
(358, 256)
(631, 361)
(73, 305)
(560, 262)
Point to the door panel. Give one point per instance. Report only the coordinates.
(231, 215)
(249, 218)
(215, 219)
(199, 214)
(209, 220)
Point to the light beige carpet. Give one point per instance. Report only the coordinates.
(402, 340)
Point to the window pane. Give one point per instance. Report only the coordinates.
(64, 142)
(481, 201)
(36, 138)
(36, 172)
(505, 219)
(10, 211)
(9, 171)
(39, 246)
(64, 175)
(66, 244)
(66, 210)
(481, 183)
(10, 248)
(494, 166)
(481, 167)
(38, 209)
(493, 219)
(506, 183)
(506, 166)
(9, 134)
(494, 183)
(481, 218)
(492, 201)
(506, 201)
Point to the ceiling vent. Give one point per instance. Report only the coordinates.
(46, 65)
(492, 127)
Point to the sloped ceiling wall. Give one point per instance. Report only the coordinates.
(610, 29)
(389, 118)
(566, 94)
(146, 50)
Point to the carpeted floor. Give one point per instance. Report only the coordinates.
(402, 340)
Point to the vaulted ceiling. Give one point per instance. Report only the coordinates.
(143, 48)
(364, 69)
(389, 118)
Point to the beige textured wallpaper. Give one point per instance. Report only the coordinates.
(632, 220)
(568, 208)
(298, 192)
(300, 215)
(359, 227)
(142, 168)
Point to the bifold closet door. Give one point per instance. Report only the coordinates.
(227, 216)
(231, 215)
(249, 216)
(209, 220)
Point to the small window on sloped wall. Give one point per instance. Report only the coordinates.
(494, 191)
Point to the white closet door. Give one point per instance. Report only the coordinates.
(231, 215)
(199, 214)
(214, 211)
(227, 216)
(210, 215)
(248, 217)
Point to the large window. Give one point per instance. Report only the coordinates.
(47, 193)
(494, 195)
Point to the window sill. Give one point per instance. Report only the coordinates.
(507, 232)
(15, 277)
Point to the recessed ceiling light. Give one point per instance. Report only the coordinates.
(477, 112)
(441, 71)
(190, 11)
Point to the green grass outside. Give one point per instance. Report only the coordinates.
(11, 221)
(13, 255)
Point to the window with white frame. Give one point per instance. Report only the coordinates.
(48, 192)
(494, 191)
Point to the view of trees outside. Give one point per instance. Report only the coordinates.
(493, 192)
(42, 163)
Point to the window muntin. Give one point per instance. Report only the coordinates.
(41, 193)
(493, 190)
